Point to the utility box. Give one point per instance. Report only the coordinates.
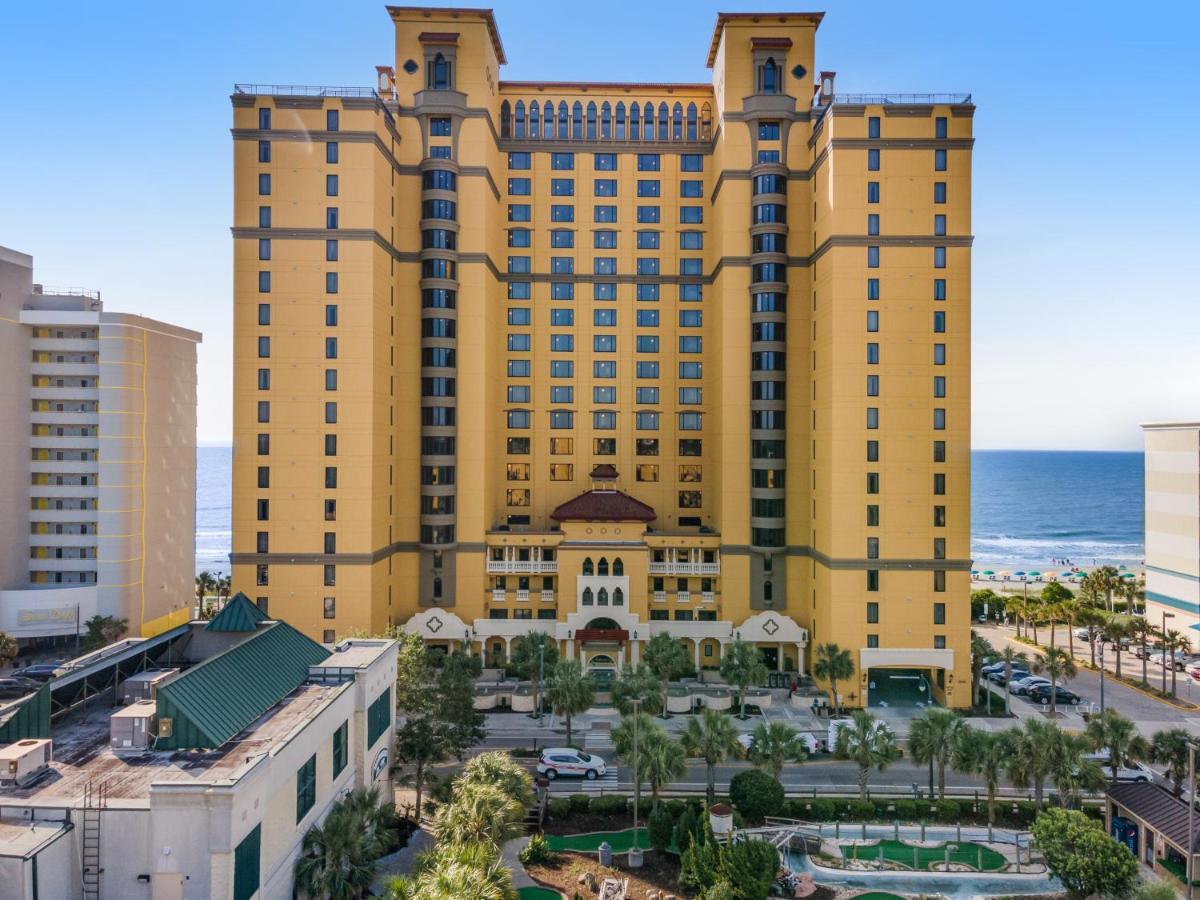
(132, 727)
(23, 763)
(144, 685)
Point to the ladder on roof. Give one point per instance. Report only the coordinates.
(94, 801)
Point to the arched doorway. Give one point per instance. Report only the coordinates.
(602, 668)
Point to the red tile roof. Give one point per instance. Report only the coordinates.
(603, 506)
(604, 470)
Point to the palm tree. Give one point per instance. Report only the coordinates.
(1052, 613)
(637, 684)
(934, 737)
(337, 857)
(712, 737)
(1032, 759)
(1114, 631)
(1173, 641)
(8, 648)
(1102, 583)
(1133, 592)
(980, 649)
(497, 769)
(661, 760)
(1071, 770)
(643, 726)
(224, 589)
(1056, 664)
(775, 743)
(569, 691)
(1170, 748)
(1070, 613)
(833, 665)
(988, 755)
(1092, 619)
(869, 743)
(1113, 732)
(1010, 655)
(1142, 631)
(742, 665)
(1034, 613)
(1018, 606)
(453, 872)
(532, 654)
(667, 659)
(479, 814)
(205, 584)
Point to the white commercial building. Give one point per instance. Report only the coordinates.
(1173, 526)
(97, 461)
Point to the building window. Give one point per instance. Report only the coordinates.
(873, 127)
(379, 717)
(872, 548)
(940, 127)
(341, 746)
(939, 192)
(330, 605)
(872, 160)
(872, 613)
(872, 580)
(939, 160)
(306, 788)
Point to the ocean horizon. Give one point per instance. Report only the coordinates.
(1028, 508)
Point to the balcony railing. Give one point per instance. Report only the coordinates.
(684, 567)
(683, 596)
(523, 594)
(898, 99)
(499, 595)
(707, 596)
(660, 596)
(522, 566)
(547, 596)
(303, 90)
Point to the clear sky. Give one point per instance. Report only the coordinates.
(115, 161)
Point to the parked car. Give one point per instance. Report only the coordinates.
(558, 762)
(1082, 634)
(1193, 669)
(812, 743)
(1023, 686)
(39, 671)
(1017, 675)
(1182, 659)
(1149, 650)
(996, 667)
(1131, 771)
(1041, 694)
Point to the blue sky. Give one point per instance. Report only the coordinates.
(115, 166)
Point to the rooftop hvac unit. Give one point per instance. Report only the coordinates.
(24, 762)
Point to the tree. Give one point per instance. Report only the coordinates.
(1057, 665)
(456, 872)
(742, 666)
(1114, 733)
(532, 654)
(712, 737)
(479, 814)
(569, 691)
(1070, 613)
(640, 726)
(833, 665)
(1141, 630)
(935, 736)
(661, 760)
(224, 588)
(1085, 859)
(1102, 584)
(337, 857)
(735, 870)
(775, 743)
(1032, 760)
(984, 598)
(1115, 630)
(454, 701)
(981, 648)
(755, 794)
(659, 827)
(104, 630)
(987, 754)
(1092, 619)
(497, 769)
(869, 743)
(8, 648)
(667, 659)
(1170, 748)
(1072, 771)
(1010, 655)
(205, 585)
(1133, 592)
(637, 684)
(1173, 641)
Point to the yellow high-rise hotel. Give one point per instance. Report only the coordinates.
(609, 359)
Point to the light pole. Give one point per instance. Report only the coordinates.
(635, 853)
(541, 675)
(1166, 615)
(1191, 847)
(1102, 677)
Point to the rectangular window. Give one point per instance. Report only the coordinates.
(439, 126)
(872, 257)
(604, 369)
(562, 368)
(872, 354)
(768, 131)
(939, 192)
(331, 251)
(264, 248)
(872, 580)
(691, 162)
(264, 151)
(562, 394)
(643, 395)
(379, 717)
(691, 189)
(939, 419)
(648, 187)
(562, 418)
(519, 187)
(561, 213)
(873, 127)
(691, 215)
(872, 320)
(602, 214)
(604, 343)
(939, 289)
(872, 482)
(939, 225)
(647, 370)
(873, 224)
(872, 288)
(519, 160)
(604, 187)
(519, 212)
(247, 856)
(306, 788)
(331, 152)
(940, 127)
(939, 160)
(872, 613)
(605, 162)
(872, 385)
(341, 746)
(872, 417)
(264, 217)
(939, 322)
(331, 217)
(264, 184)
(872, 515)
(939, 257)
(562, 187)
(647, 215)
(872, 160)
(872, 191)
(331, 185)
(648, 162)
(331, 282)
(562, 161)
(939, 354)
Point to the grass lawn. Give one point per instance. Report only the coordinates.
(895, 851)
(621, 841)
(538, 893)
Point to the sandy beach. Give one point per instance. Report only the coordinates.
(1011, 573)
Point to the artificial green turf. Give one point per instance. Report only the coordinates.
(877, 895)
(621, 841)
(898, 852)
(538, 893)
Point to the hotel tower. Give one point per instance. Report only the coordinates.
(608, 360)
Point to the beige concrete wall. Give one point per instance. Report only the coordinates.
(16, 278)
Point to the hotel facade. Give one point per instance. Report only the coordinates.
(608, 359)
(97, 462)
(1173, 527)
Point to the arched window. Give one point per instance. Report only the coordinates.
(534, 123)
(621, 121)
(519, 123)
(635, 122)
(648, 122)
(618, 597)
(587, 566)
(577, 121)
(602, 597)
(663, 124)
(591, 121)
(706, 122)
(691, 121)
(505, 119)
(587, 597)
(768, 77)
(618, 566)
(562, 120)
(677, 123)
(602, 568)
(441, 72)
(606, 121)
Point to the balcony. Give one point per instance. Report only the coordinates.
(498, 595)
(684, 567)
(683, 596)
(660, 596)
(708, 597)
(522, 566)
(547, 596)
(523, 595)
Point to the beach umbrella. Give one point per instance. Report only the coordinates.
(988, 572)
(1128, 575)
(1006, 574)
(1019, 574)
(1066, 574)
(1035, 574)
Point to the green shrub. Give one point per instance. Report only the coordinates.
(947, 810)
(659, 827)
(645, 807)
(906, 810)
(860, 810)
(560, 807)
(580, 803)
(796, 809)
(822, 810)
(675, 808)
(686, 827)
(537, 851)
(609, 805)
(756, 794)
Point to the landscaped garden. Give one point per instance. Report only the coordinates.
(921, 858)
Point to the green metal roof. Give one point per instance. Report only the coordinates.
(210, 703)
(240, 614)
(27, 718)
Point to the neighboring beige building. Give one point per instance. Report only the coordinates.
(97, 461)
(1173, 526)
(203, 791)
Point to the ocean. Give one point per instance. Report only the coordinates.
(1028, 508)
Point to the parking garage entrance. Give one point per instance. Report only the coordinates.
(900, 688)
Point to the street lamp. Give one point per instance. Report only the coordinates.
(635, 853)
(537, 695)
(1102, 675)
(1166, 615)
